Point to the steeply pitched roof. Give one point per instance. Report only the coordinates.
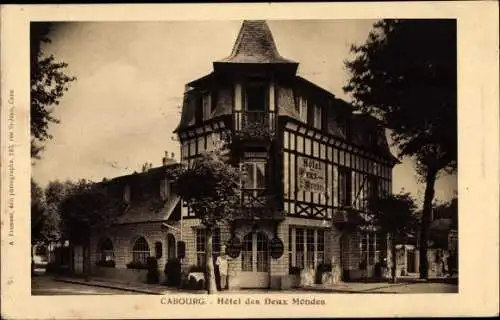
(255, 44)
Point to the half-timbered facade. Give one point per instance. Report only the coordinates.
(311, 164)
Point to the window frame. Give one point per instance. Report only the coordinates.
(201, 242)
(345, 187)
(140, 254)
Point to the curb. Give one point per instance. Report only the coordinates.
(108, 286)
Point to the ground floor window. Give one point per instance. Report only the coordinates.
(255, 253)
(306, 247)
(201, 240)
(140, 251)
(106, 252)
(372, 247)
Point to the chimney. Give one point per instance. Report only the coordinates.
(164, 159)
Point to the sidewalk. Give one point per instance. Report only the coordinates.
(145, 288)
(342, 287)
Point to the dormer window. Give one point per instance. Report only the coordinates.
(317, 117)
(126, 194)
(206, 101)
(256, 97)
(303, 109)
(165, 189)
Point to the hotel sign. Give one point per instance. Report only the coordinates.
(311, 175)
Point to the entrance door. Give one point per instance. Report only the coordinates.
(78, 259)
(171, 254)
(255, 261)
(411, 261)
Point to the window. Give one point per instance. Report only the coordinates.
(256, 97)
(140, 251)
(201, 240)
(290, 248)
(164, 189)
(262, 253)
(307, 248)
(317, 117)
(310, 247)
(320, 249)
(303, 109)
(372, 246)
(373, 188)
(345, 186)
(206, 105)
(246, 253)
(255, 175)
(106, 252)
(299, 248)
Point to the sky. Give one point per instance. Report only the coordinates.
(125, 103)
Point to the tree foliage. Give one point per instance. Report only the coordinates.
(393, 215)
(448, 210)
(45, 223)
(48, 84)
(405, 75)
(211, 187)
(87, 208)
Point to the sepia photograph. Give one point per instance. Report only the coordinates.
(244, 156)
(247, 161)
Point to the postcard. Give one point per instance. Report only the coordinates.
(259, 160)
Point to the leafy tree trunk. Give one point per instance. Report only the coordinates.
(210, 270)
(430, 180)
(394, 258)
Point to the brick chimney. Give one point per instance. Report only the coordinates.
(165, 158)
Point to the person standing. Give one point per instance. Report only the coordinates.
(222, 265)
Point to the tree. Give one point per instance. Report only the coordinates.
(445, 220)
(393, 215)
(87, 208)
(405, 75)
(211, 188)
(48, 85)
(44, 221)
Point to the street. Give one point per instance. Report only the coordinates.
(46, 286)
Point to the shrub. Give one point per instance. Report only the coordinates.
(322, 268)
(153, 274)
(137, 265)
(173, 272)
(294, 271)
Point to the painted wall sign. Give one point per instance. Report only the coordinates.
(311, 175)
(276, 248)
(233, 247)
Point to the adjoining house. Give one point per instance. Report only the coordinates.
(147, 227)
(311, 162)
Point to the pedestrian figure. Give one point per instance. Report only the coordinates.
(222, 265)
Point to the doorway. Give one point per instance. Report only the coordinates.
(171, 252)
(255, 264)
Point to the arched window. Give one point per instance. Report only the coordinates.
(106, 251)
(140, 251)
